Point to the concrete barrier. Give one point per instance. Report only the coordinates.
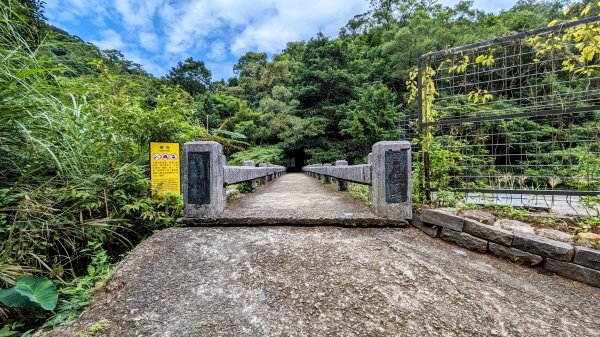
(205, 175)
(388, 175)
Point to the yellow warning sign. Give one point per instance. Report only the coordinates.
(165, 168)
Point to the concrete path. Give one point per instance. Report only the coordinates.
(297, 199)
(329, 281)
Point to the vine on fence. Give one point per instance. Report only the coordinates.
(576, 50)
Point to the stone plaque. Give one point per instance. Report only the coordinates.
(396, 176)
(198, 177)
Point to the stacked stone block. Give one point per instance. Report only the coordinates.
(571, 261)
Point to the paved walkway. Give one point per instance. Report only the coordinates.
(297, 199)
(329, 281)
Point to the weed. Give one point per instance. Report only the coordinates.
(94, 329)
(359, 191)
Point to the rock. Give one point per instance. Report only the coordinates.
(459, 252)
(515, 255)
(590, 240)
(465, 240)
(451, 210)
(556, 235)
(514, 225)
(491, 233)
(587, 257)
(443, 218)
(543, 246)
(479, 215)
(574, 271)
(431, 230)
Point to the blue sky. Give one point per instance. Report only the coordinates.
(159, 33)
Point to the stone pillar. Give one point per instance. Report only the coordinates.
(370, 189)
(252, 183)
(269, 177)
(391, 184)
(342, 185)
(263, 180)
(326, 178)
(203, 192)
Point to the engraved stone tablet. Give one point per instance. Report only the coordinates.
(198, 177)
(396, 176)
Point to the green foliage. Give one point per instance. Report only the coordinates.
(30, 291)
(76, 294)
(359, 191)
(74, 141)
(75, 123)
(8, 330)
(94, 329)
(260, 154)
(590, 224)
(191, 75)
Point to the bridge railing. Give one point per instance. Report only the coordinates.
(388, 174)
(206, 174)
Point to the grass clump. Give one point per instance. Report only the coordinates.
(74, 181)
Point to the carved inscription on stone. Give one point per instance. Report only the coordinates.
(198, 177)
(396, 176)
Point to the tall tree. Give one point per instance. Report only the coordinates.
(249, 64)
(191, 75)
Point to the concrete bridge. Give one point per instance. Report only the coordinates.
(216, 279)
(295, 199)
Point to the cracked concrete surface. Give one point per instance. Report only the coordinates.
(326, 281)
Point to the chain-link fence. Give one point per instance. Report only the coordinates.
(514, 120)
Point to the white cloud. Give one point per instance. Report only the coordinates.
(149, 41)
(157, 33)
(74, 11)
(296, 20)
(218, 51)
(109, 40)
(138, 13)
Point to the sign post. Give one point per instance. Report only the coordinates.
(165, 168)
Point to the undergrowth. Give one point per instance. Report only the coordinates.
(359, 191)
(74, 181)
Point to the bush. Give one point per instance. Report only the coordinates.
(260, 154)
(74, 168)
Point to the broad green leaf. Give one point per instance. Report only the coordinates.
(6, 332)
(12, 298)
(39, 290)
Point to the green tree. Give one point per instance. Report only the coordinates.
(191, 75)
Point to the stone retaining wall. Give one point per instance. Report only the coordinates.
(571, 261)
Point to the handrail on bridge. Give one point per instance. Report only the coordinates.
(205, 175)
(388, 174)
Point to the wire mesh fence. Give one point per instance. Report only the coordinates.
(514, 120)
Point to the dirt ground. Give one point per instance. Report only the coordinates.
(329, 281)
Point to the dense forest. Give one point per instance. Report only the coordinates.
(76, 122)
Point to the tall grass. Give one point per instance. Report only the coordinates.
(68, 174)
(73, 159)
